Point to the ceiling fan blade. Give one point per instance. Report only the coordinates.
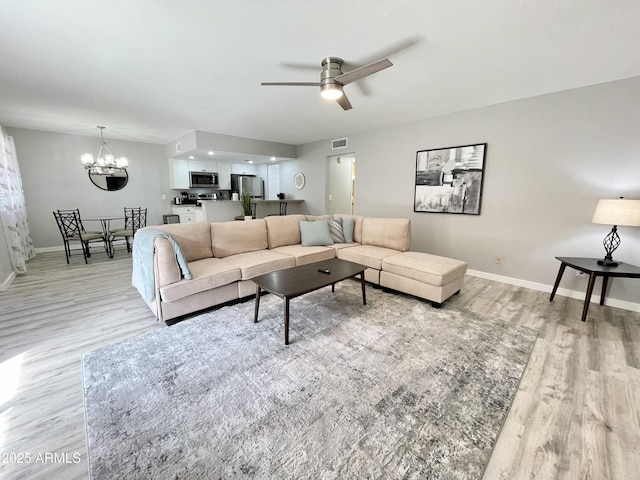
(344, 102)
(362, 72)
(291, 84)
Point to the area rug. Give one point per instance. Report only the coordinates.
(393, 389)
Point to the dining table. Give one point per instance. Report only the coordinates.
(105, 222)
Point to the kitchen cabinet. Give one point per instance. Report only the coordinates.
(246, 168)
(224, 176)
(203, 166)
(189, 214)
(178, 174)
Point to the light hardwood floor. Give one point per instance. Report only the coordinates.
(575, 416)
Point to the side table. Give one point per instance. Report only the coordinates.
(590, 266)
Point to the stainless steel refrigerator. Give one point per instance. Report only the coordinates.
(253, 185)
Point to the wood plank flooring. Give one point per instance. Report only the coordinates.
(575, 416)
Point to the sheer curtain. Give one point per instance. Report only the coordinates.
(13, 208)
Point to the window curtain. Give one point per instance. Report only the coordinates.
(13, 208)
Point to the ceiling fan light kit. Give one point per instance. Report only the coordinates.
(331, 91)
(332, 79)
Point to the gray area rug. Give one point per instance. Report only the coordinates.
(393, 389)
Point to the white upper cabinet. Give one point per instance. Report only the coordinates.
(203, 166)
(178, 173)
(244, 168)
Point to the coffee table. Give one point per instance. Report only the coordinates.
(295, 281)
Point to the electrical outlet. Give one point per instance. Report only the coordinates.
(499, 259)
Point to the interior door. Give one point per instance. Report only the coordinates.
(340, 184)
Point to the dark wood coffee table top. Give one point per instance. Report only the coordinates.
(293, 282)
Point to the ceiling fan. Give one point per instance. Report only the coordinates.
(332, 79)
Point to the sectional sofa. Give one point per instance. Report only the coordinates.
(222, 258)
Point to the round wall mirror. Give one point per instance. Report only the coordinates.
(109, 181)
(299, 180)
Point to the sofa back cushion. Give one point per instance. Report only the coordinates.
(392, 233)
(357, 229)
(230, 238)
(194, 238)
(283, 230)
(315, 218)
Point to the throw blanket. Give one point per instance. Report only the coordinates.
(142, 277)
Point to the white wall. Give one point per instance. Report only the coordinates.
(549, 160)
(53, 178)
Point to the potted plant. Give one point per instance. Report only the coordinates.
(246, 205)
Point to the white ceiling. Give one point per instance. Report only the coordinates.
(154, 70)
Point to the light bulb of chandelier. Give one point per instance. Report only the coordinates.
(122, 162)
(86, 159)
(331, 91)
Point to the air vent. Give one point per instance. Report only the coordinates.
(338, 143)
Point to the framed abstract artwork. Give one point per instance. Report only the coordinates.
(449, 180)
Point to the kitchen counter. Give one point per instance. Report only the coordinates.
(227, 210)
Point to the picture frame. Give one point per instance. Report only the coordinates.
(450, 180)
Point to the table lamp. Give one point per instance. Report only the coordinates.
(615, 212)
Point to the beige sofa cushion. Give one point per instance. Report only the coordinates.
(208, 274)
(313, 218)
(230, 238)
(194, 238)
(304, 255)
(369, 255)
(392, 233)
(357, 228)
(425, 268)
(252, 264)
(284, 229)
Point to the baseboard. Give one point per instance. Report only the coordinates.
(59, 248)
(8, 281)
(565, 292)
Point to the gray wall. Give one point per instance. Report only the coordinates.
(549, 160)
(53, 178)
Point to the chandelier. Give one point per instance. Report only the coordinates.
(105, 163)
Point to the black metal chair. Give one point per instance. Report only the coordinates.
(72, 230)
(134, 219)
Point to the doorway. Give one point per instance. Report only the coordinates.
(341, 178)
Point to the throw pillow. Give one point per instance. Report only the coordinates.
(348, 224)
(335, 230)
(315, 233)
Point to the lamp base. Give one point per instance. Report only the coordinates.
(608, 263)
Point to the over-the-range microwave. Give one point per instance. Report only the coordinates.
(202, 179)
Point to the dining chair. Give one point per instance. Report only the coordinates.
(71, 229)
(135, 218)
(77, 211)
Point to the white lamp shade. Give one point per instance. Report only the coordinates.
(122, 162)
(86, 159)
(619, 211)
(331, 91)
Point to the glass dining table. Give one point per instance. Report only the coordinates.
(105, 221)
